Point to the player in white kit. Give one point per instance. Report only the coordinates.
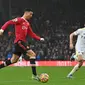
(79, 48)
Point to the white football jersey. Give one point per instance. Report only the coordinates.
(80, 44)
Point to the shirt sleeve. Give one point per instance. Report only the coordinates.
(77, 32)
(11, 22)
(32, 34)
(4, 27)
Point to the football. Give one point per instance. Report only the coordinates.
(44, 77)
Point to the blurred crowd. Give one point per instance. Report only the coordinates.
(56, 45)
(6, 47)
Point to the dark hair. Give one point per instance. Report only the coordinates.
(26, 9)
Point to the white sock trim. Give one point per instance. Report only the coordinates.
(5, 64)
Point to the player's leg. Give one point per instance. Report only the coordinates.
(26, 50)
(77, 66)
(9, 62)
(15, 56)
(32, 56)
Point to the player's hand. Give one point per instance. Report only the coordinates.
(71, 46)
(42, 39)
(1, 31)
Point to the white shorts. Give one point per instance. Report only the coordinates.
(82, 53)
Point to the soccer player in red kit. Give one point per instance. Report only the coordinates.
(22, 29)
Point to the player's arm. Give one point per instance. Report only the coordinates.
(71, 37)
(10, 22)
(5, 26)
(33, 35)
(71, 40)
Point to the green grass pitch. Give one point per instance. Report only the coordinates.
(22, 76)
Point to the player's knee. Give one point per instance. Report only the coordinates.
(14, 58)
(34, 54)
(80, 59)
(13, 61)
(31, 54)
(80, 63)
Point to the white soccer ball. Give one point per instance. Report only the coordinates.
(44, 77)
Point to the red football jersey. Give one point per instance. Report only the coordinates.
(22, 29)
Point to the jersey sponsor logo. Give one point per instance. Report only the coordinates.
(24, 27)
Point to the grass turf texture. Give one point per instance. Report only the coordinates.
(22, 76)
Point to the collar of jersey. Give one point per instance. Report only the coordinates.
(24, 19)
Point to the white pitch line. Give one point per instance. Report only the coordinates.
(16, 81)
